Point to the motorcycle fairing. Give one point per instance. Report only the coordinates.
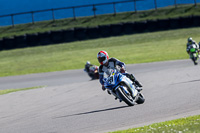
(112, 82)
(128, 82)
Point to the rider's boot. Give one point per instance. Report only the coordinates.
(135, 81)
(138, 83)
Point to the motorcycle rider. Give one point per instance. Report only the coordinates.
(87, 66)
(190, 42)
(87, 69)
(107, 62)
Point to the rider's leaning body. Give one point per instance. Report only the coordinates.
(87, 69)
(87, 66)
(191, 42)
(111, 63)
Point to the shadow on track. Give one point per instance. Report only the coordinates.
(198, 80)
(95, 111)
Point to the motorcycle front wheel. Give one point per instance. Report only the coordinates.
(194, 58)
(125, 96)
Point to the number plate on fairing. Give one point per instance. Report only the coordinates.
(111, 80)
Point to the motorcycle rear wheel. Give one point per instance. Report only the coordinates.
(140, 99)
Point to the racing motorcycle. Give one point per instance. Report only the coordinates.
(93, 72)
(122, 88)
(194, 55)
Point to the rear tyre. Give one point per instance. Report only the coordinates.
(140, 99)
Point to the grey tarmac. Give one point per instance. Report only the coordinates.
(72, 103)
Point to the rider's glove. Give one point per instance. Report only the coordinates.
(122, 70)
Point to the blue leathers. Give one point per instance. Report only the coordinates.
(112, 62)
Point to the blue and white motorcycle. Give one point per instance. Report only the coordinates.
(122, 88)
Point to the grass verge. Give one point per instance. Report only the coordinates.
(2, 92)
(160, 13)
(183, 125)
(131, 49)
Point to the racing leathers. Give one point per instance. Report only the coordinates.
(112, 63)
(188, 44)
(87, 69)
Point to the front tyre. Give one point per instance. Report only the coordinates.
(126, 97)
(195, 61)
(194, 58)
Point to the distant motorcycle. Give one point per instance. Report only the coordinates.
(193, 52)
(122, 88)
(93, 72)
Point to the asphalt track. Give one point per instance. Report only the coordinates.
(72, 103)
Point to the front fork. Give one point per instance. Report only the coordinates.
(133, 93)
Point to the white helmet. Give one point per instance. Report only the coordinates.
(102, 57)
(87, 62)
(190, 40)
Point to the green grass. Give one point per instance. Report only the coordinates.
(2, 92)
(183, 125)
(161, 13)
(131, 49)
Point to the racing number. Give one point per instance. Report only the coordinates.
(110, 80)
